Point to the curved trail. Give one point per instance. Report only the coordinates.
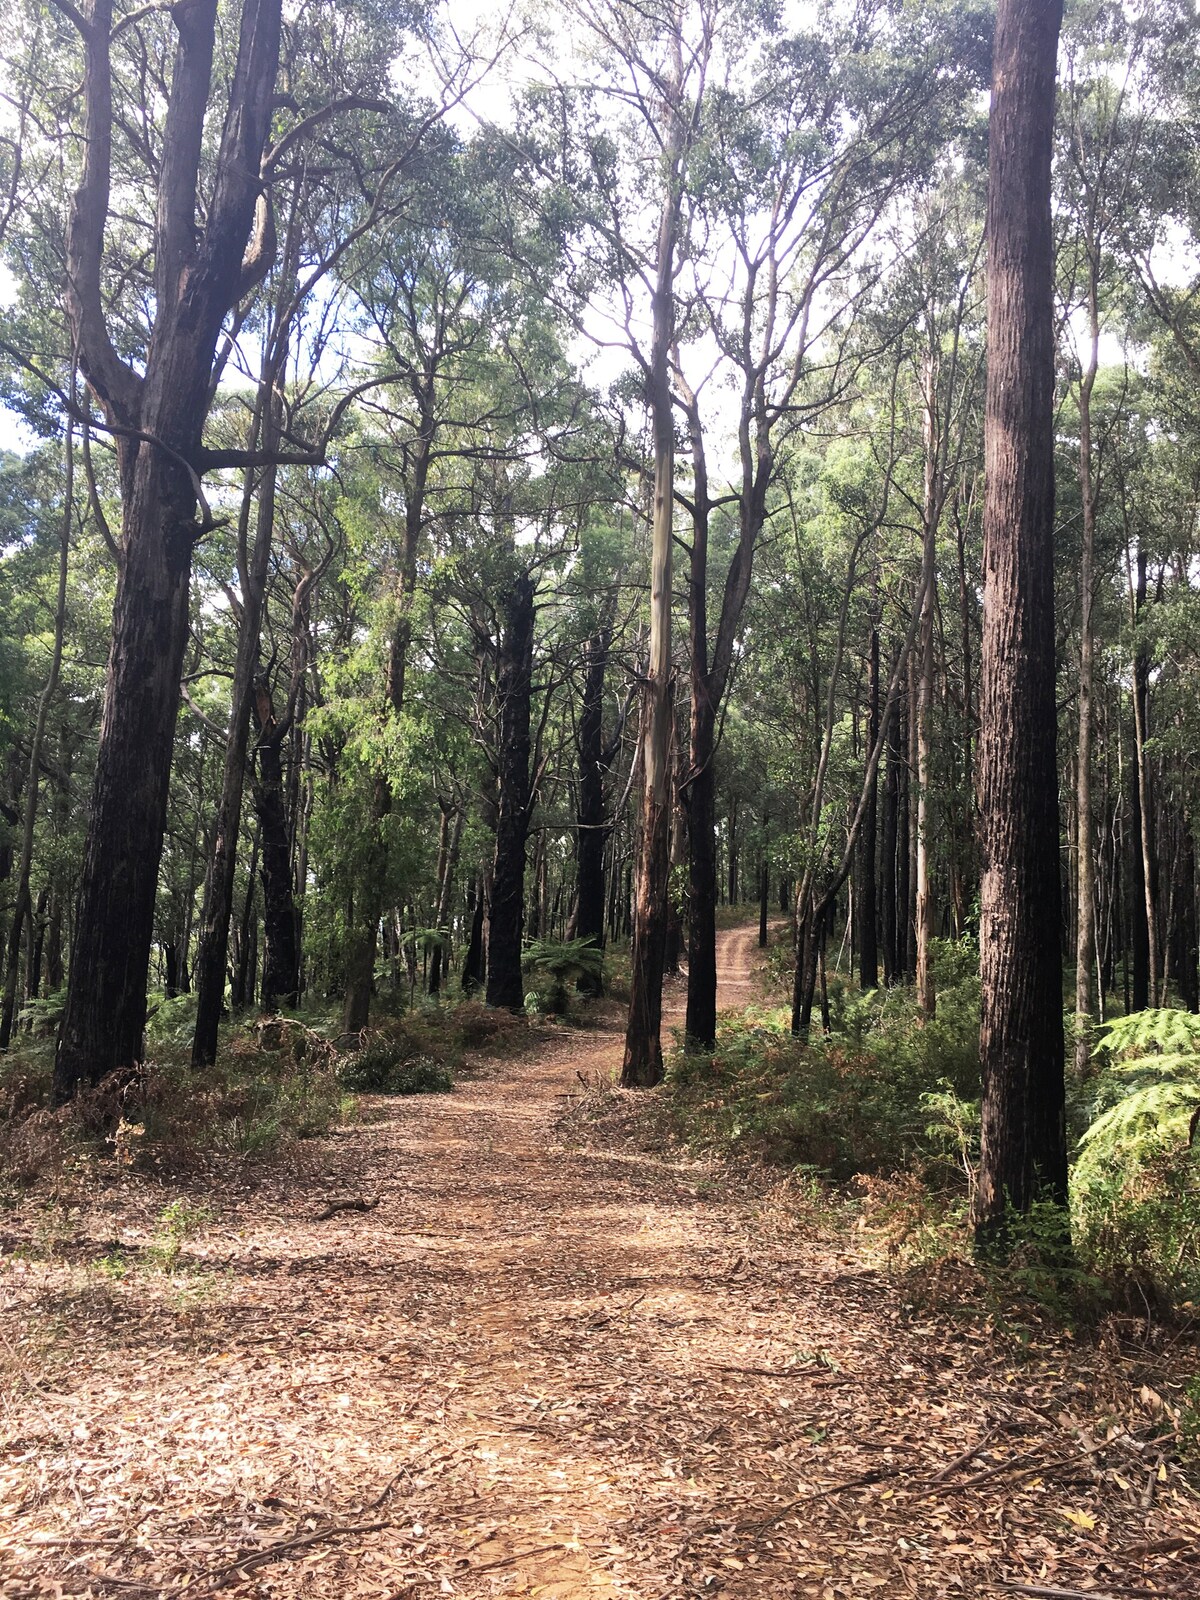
(531, 1369)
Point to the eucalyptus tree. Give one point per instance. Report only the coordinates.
(175, 145)
(1024, 1155)
(476, 390)
(1097, 152)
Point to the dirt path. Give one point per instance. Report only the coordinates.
(533, 1369)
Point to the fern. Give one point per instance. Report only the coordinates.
(43, 1016)
(1147, 1033)
(1149, 1089)
(1135, 1189)
(561, 964)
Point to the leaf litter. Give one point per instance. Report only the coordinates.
(515, 1364)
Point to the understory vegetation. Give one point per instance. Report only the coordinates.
(277, 1080)
(884, 1109)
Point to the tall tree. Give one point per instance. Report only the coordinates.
(1024, 1153)
(207, 256)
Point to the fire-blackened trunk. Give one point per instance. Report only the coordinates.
(506, 924)
(1021, 1030)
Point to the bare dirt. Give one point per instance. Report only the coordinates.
(538, 1369)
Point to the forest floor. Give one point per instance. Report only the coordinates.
(540, 1365)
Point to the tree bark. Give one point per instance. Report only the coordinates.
(281, 963)
(1085, 875)
(642, 1065)
(591, 823)
(923, 917)
(158, 416)
(506, 922)
(865, 898)
(440, 958)
(21, 907)
(1144, 843)
(1023, 1154)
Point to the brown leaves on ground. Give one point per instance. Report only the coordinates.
(528, 1369)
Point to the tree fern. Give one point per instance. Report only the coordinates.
(1135, 1188)
(1149, 1088)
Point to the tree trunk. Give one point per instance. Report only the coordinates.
(1021, 1036)
(642, 1065)
(891, 866)
(903, 846)
(200, 273)
(764, 890)
(1144, 843)
(506, 923)
(1085, 874)
(923, 732)
(241, 979)
(701, 1023)
(734, 886)
(440, 959)
(474, 959)
(591, 827)
(21, 908)
(280, 977)
(865, 886)
(213, 953)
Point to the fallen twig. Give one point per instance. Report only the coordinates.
(967, 1456)
(508, 1561)
(603, 1322)
(213, 1579)
(876, 1475)
(1044, 1591)
(358, 1203)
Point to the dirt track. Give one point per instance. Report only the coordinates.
(536, 1369)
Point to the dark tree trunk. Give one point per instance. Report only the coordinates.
(1021, 1027)
(889, 868)
(678, 902)
(865, 897)
(37, 944)
(199, 275)
(1139, 933)
(592, 834)
(473, 960)
(114, 922)
(505, 986)
(734, 886)
(764, 894)
(1183, 939)
(440, 958)
(242, 975)
(911, 818)
(701, 1023)
(280, 979)
(171, 969)
(903, 856)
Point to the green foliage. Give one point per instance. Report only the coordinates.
(42, 1016)
(555, 967)
(860, 1100)
(177, 1222)
(384, 1067)
(1135, 1187)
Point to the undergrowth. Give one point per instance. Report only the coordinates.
(888, 1103)
(277, 1080)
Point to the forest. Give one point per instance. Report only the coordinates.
(631, 569)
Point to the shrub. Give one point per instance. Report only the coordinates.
(857, 1100)
(385, 1067)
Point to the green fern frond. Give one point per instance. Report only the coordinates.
(565, 961)
(1162, 1032)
